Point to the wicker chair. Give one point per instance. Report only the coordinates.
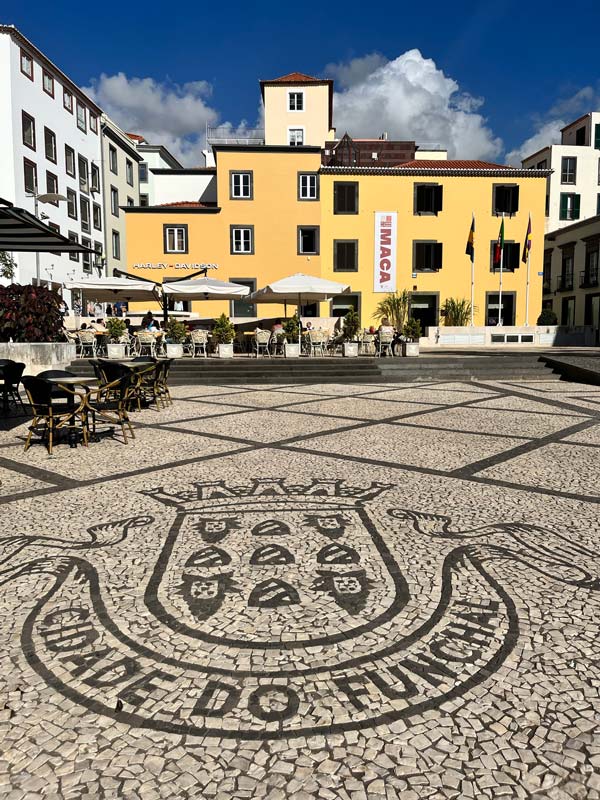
(52, 413)
(262, 340)
(277, 343)
(109, 402)
(86, 344)
(317, 341)
(199, 341)
(367, 344)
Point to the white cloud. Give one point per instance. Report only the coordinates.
(410, 98)
(547, 127)
(164, 113)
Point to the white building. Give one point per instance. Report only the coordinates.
(120, 174)
(574, 186)
(153, 157)
(49, 143)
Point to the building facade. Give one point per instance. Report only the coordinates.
(329, 208)
(50, 142)
(571, 274)
(153, 157)
(121, 187)
(573, 186)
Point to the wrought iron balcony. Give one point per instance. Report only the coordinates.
(588, 278)
(564, 283)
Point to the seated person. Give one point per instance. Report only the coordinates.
(98, 326)
(147, 319)
(128, 326)
(277, 327)
(83, 326)
(385, 326)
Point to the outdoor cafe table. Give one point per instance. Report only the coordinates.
(73, 380)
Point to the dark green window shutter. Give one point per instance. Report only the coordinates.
(500, 199)
(419, 256)
(420, 199)
(438, 198)
(563, 206)
(437, 255)
(576, 205)
(597, 137)
(513, 200)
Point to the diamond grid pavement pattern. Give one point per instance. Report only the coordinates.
(307, 592)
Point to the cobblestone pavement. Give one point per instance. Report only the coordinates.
(303, 592)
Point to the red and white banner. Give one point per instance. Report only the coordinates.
(384, 271)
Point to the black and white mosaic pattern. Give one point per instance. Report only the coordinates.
(308, 592)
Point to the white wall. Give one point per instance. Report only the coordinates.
(29, 96)
(175, 186)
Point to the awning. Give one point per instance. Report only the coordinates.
(21, 232)
(109, 290)
(205, 289)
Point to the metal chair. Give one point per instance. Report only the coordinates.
(277, 343)
(316, 341)
(146, 344)
(261, 342)
(86, 343)
(11, 373)
(199, 341)
(384, 343)
(109, 402)
(367, 344)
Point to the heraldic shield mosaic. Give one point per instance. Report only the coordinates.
(277, 609)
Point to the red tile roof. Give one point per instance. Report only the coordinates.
(187, 204)
(445, 164)
(295, 77)
(136, 137)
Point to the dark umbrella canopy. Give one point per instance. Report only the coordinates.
(21, 232)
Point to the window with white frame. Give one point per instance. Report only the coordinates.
(116, 245)
(86, 258)
(50, 145)
(52, 186)
(84, 208)
(241, 184)
(70, 161)
(296, 137)
(308, 186)
(112, 159)
(67, 101)
(129, 171)
(84, 180)
(95, 178)
(74, 238)
(175, 238)
(296, 101)
(144, 202)
(242, 240)
(28, 130)
(93, 123)
(72, 204)
(97, 217)
(81, 117)
(308, 240)
(143, 168)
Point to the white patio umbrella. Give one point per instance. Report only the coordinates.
(297, 289)
(205, 289)
(108, 290)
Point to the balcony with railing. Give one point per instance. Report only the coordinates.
(588, 278)
(240, 136)
(564, 283)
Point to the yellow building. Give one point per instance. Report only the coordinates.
(280, 210)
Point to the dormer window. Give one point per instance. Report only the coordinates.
(296, 101)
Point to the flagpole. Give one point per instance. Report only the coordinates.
(473, 280)
(527, 280)
(500, 320)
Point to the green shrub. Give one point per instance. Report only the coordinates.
(395, 307)
(223, 331)
(175, 331)
(412, 330)
(351, 325)
(30, 314)
(547, 317)
(291, 328)
(116, 328)
(456, 311)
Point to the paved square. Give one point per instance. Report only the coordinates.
(302, 592)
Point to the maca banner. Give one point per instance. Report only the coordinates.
(384, 265)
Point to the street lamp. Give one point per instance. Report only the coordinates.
(46, 197)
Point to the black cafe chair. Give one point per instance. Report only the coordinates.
(11, 373)
(51, 414)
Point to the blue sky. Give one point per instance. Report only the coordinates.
(209, 57)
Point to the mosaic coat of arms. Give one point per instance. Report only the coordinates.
(278, 609)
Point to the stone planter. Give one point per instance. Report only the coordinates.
(292, 350)
(174, 350)
(115, 351)
(225, 350)
(410, 349)
(39, 356)
(350, 349)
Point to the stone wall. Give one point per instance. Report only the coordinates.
(509, 336)
(38, 357)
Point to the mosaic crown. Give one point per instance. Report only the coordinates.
(265, 490)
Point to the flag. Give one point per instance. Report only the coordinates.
(527, 243)
(499, 247)
(470, 251)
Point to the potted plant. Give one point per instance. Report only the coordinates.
(412, 334)
(223, 335)
(175, 334)
(291, 329)
(350, 332)
(115, 348)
